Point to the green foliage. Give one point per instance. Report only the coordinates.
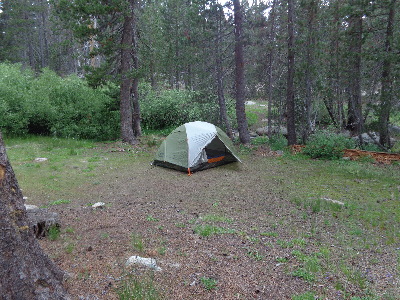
(60, 201)
(278, 142)
(137, 242)
(208, 283)
(208, 230)
(54, 233)
(51, 105)
(133, 288)
(171, 108)
(304, 274)
(305, 296)
(327, 145)
(252, 118)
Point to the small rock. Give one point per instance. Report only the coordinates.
(144, 261)
(98, 205)
(40, 159)
(31, 207)
(333, 201)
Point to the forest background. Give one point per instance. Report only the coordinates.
(107, 69)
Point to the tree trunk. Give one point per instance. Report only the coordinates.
(127, 133)
(354, 118)
(310, 45)
(220, 75)
(387, 81)
(239, 75)
(137, 130)
(270, 65)
(26, 272)
(291, 127)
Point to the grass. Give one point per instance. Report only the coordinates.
(137, 242)
(208, 283)
(54, 233)
(209, 230)
(312, 236)
(139, 289)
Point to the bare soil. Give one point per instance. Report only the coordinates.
(164, 207)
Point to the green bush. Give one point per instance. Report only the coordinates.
(50, 105)
(171, 108)
(327, 145)
(278, 142)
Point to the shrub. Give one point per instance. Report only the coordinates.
(327, 145)
(171, 108)
(50, 105)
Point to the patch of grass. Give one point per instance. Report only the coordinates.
(282, 259)
(304, 296)
(69, 248)
(137, 242)
(138, 289)
(254, 254)
(304, 274)
(180, 225)
(54, 233)
(69, 230)
(60, 201)
(216, 218)
(151, 219)
(208, 230)
(208, 283)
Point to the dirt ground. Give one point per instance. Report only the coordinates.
(156, 212)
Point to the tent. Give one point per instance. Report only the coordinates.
(195, 146)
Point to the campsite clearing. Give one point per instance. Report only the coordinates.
(256, 230)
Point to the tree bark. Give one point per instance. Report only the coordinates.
(220, 75)
(354, 117)
(270, 65)
(137, 130)
(387, 81)
(291, 126)
(127, 133)
(239, 74)
(26, 272)
(310, 45)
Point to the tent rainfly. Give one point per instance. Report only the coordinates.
(195, 146)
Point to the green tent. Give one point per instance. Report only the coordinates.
(195, 146)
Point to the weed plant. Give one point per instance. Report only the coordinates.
(208, 283)
(54, 233)
(133, 288)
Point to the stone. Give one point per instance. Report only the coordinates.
(333, 201)
(40, 159)
(31, 207)
(98, 205)
(144, 261)
(40, 220)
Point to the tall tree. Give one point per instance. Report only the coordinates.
(26, 272)
(290, 109)
(387, 80)
(113, 34)
(355, 27)
(271, 54)
(244, 135)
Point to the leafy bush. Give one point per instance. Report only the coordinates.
(171, 108)
(50, 105)
(327, 145)
(278, 142)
